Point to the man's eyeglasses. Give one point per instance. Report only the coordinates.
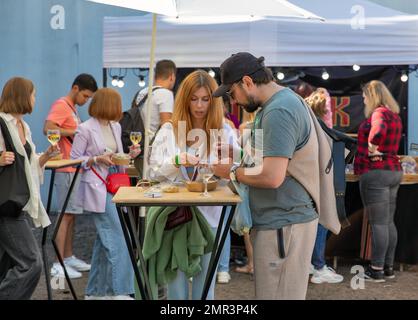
(230, 93)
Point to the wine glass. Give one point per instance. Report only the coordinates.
(53, 136)
(206, 172)
(135, 137)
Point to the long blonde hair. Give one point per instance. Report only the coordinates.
(193, 82)
(378, 95)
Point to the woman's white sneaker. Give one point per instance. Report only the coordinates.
(326, 275)
(77, 264)
(58, 271)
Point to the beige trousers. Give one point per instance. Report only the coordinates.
(287, 278)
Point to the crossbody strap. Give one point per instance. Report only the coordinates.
(70, 140)
(8, 141)
(98, 175)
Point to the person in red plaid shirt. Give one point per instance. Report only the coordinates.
(380, 173)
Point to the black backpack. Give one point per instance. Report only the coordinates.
(132, 120)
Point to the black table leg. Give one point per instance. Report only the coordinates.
(133, 231)
(216, 252)
(57, 225)
(144, 288)
(44, 235)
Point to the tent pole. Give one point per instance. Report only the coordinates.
(149, 105)
(149, 99)
(104, 77)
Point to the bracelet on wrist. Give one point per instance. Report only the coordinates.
(177, 160)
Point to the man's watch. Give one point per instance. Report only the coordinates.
(233, 173)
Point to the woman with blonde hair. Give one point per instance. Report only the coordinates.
(321, 273)
(20, 258)
(380, 173)
(96, 140)
(185, 141)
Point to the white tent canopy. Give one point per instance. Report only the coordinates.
(383, 37)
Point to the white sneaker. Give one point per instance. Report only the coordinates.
(97, 298)
(311, 269)
(223, 277)
(58, 271)
(77, 264)
(121, 297)
(326, 275)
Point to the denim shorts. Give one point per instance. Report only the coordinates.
(61, 186)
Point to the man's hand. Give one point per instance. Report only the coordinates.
(222, 170)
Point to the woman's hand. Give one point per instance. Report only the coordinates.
(6, 158)
(52, 151)
(134, 151)
(105, 159)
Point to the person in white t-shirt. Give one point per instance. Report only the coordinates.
(162, 96)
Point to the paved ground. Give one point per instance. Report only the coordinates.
(241, 287)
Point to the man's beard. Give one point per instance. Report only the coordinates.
(251, 106)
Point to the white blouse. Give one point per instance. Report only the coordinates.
(163, 151)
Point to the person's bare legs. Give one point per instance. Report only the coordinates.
(68, 248)
(62, 235)
(249, 267)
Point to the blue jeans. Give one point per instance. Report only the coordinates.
(111, 269)
(223, 265)
(318, 254)
(178, 289)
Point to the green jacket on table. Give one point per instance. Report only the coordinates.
(180, 248)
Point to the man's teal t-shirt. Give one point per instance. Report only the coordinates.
(285, 125)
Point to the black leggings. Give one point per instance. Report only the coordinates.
(378, 189)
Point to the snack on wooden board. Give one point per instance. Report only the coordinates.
(170, 189)
(121, 159)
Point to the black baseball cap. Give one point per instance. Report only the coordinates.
(235, 67)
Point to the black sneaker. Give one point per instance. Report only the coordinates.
(373, 275)
(389, 274)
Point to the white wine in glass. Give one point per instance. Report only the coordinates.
(135, 137)
(206, 172)
(53, 136)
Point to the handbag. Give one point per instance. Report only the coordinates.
(14, 188)
(179, 216)
(114, 181)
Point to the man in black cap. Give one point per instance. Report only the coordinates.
(283, 211)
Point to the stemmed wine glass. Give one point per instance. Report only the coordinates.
(53, 136)
(136, 138)
(206, 172)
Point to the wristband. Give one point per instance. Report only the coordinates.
(94, 159)
(242, 153)
(176, 160)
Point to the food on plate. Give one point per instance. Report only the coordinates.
(121, 159)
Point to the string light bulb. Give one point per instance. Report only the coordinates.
(325, 75)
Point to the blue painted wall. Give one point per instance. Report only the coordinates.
(52, 58)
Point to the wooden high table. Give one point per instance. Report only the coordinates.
(131, 197)
(53, 166)
(365, 251)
